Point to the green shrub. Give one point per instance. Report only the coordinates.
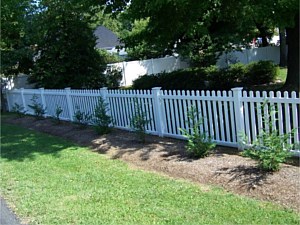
(19, 110)
(187, 79)
(102, 120)
(261, 72)
(38, 109)
(225, 79)
(199, 144)
(139, 121)
(236, 72)
(270, 148)
(58, 111)
(81, 118)
(218, 79)
(146, 82)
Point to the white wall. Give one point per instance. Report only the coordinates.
(133, 69)
(250, 55)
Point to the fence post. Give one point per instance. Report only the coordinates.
(69, 103)
(103, 93)
(23, 99)
(42, 90)
(158, 117)
(239, 115)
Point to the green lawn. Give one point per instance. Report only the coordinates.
(282, 74)
(52, 181)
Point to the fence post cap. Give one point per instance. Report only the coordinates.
(103, 88)
(237, 89)
(156, 88)
(67, 88)
(41, 88)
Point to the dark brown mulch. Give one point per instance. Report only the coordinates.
(167, 156)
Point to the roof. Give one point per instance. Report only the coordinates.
(106, 39)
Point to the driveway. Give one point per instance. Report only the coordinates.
(7, 217)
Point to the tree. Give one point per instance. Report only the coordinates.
(200, 28)
(66, 54)
(16, 52)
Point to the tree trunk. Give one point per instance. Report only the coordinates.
(292, 80)
(283, 55)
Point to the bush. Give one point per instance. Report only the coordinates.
(225, 79)
(102, 120)
(81, 118)
(58, 111)
(38, 109)
(146, 82)
(199, 144)
(19, 110)
(261, 72)
(219, 79)
(270, 149)
(188, 79)
(139, 121)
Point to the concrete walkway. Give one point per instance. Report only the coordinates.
(7, 217)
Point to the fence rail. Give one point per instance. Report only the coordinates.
(225, 116)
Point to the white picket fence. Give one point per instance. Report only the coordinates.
(226, 115)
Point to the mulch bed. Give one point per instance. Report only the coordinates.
(168, 156)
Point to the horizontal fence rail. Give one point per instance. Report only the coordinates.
(227, 116)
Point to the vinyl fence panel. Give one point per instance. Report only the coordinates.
(228, 117)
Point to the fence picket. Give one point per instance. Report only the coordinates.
(280, 117)
(247, 120)
(287, 117)
(253, 118)
(295, 112)
(221, 118)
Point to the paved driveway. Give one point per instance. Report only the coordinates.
(7, 217)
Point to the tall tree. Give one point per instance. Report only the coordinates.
(16, 52)
(66, 54)
(203, 27)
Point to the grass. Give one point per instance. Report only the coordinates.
(280, 80)
(282, 74)
(52, 181)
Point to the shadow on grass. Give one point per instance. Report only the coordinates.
(20, 144)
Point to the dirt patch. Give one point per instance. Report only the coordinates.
(167, 156)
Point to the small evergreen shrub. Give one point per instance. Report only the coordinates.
(81, 118)
(19, 110)
(58, 111)
(37, 107)
(261, 72)
(102, 120)
(236, 72)
(270, 149)
(199, 144)
(138, 122)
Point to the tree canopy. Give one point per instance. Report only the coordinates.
(198, 29)
(58, 40)
(59, 33)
